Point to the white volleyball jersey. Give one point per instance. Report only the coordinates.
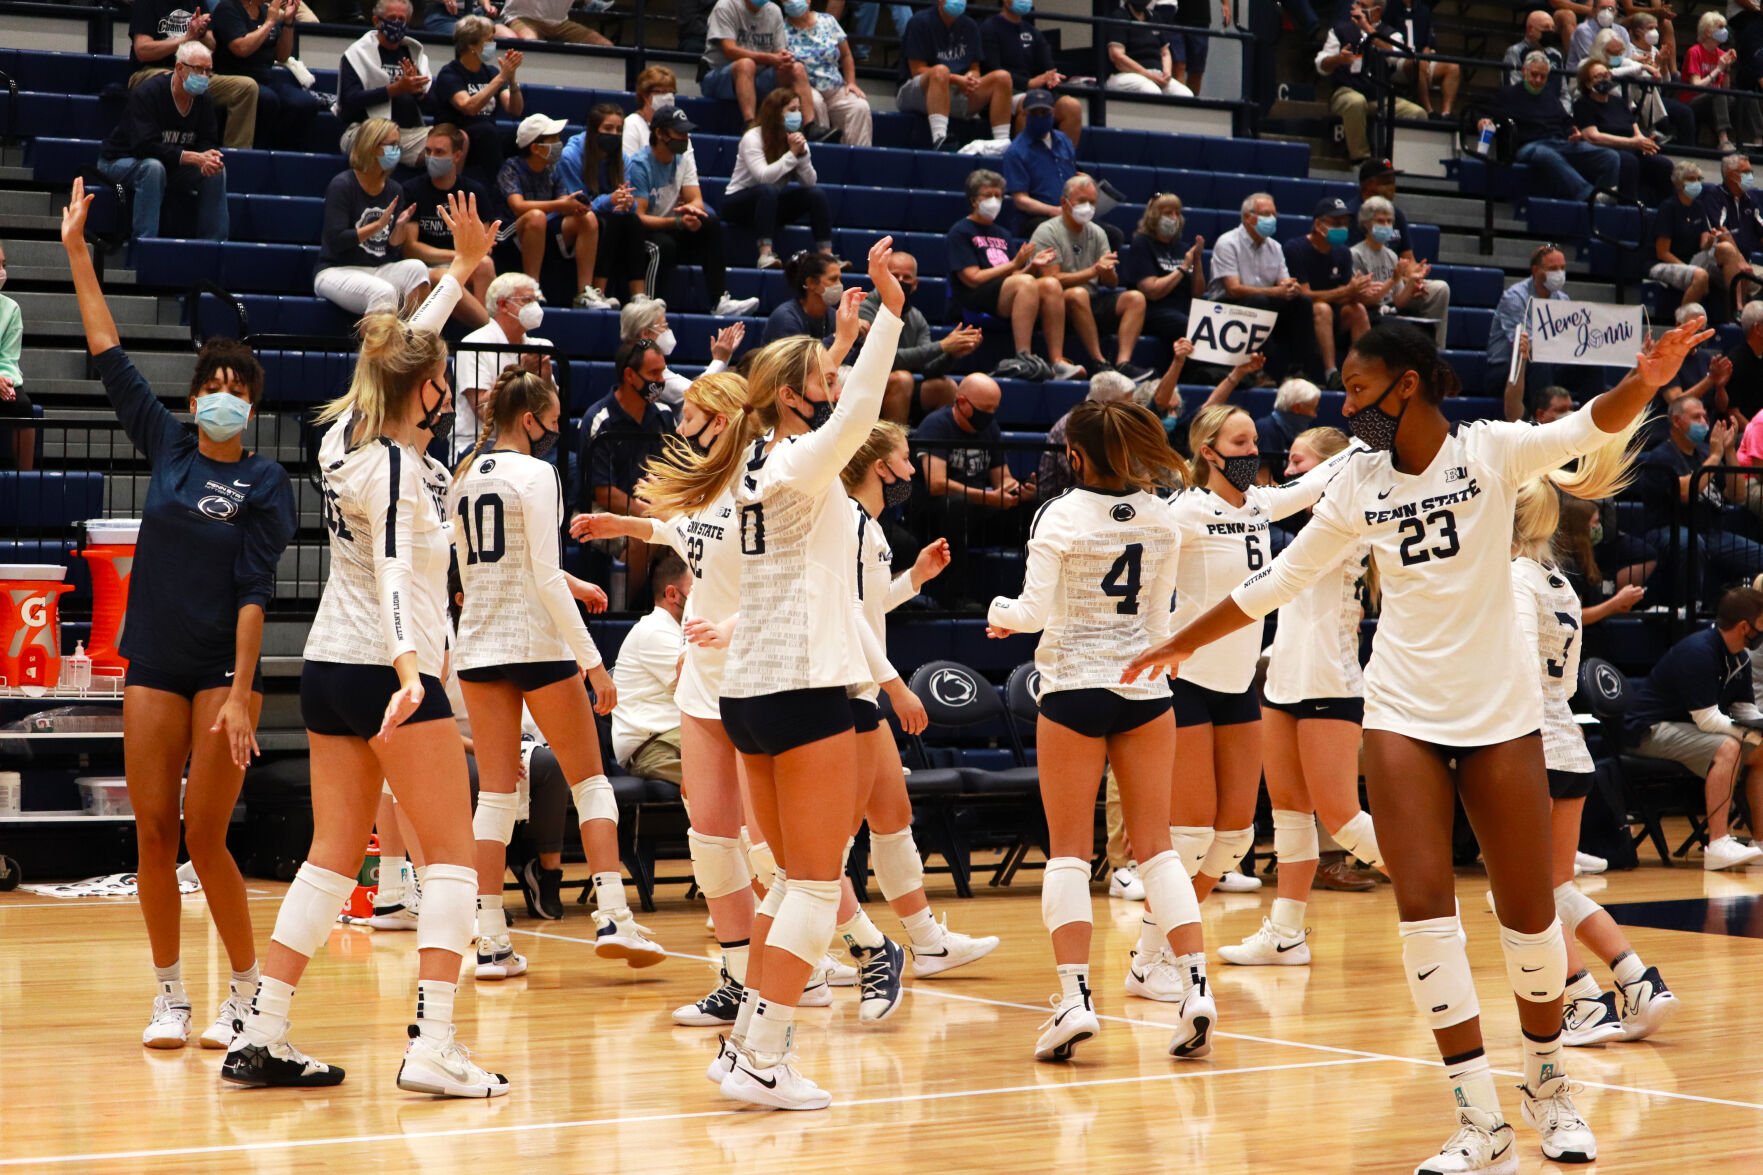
(1449, 664)
(1315, 650)
(706, 540)
(1549, 617)
(799, 620)
(879, 591)
(1222, 545)
(1100, 573)
(506, 510)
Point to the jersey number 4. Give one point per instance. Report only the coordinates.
(1122, 580)
(1443, 525)
(480, 519)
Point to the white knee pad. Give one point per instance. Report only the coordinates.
(1065, 892)
(774, 895)
(494, 818)
(1191, 843)
(1358, 837)
(718, 865)
(1572, 907)
(1437, 966)
(1169, 892)
(807, 919)
(310, 908)
(594, 800)
(1229, 847)
(449, 908)
(761, 861)
(1536, 964)
(899, 870)
(1294, 836)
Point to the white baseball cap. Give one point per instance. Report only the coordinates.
(537, 126)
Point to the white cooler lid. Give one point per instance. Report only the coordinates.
(52, 572)
(123, 531)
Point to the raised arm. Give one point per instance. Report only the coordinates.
(472, 240)
(1045, 566)
(1280, 501)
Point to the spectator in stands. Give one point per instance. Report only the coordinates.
(1603, 19)
(542, 211)
(157, 30)
(1722, 543)
(1556, 403)
(1736, 217)
(645, 723)
(1010, 42)
(476, 86)
(1167, 272)
(1088, 267)
(516, 308)
(1411, 23)
(1352, 57)
(366, 221)
(918, 356)
(672, 215)
(431, 241)
(167, 137)
(1548, 279)
(442, 17)
(1054, 475)
(1605, 119)
(548, 20)
(818, 42)
(1709, 64)
(20, 444)
(967, 492)
(621, 432)
(774, 182)
(816, 283)
(1172, 409)
(1539, 37)
(1037, 165)
(942, 76)
(1294, 410)
(1249, 269)
(1562, 163)
(1744, 389)
(1655, 40)
(1189, 43)
(1698, 363)
(657, 89)
(1697, 708)
(990, 275)
(1338, 289)
(252, 39)
(593, 163)
(1660, 112)
(747, 56)
(1377, 177)
(1401, 281)
(1141, 54)
(385, 74)
(1683, 244)
(646, 318)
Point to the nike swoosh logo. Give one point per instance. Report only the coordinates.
(767, 1083)
(1427, 972)
(1528, 970)
(1385, 493)
(1294, 946)
(1502, 1150)
(244, 485)
(230, 672)
(942, 954)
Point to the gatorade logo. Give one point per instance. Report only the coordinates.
(35, 612)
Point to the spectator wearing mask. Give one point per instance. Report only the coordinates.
(621, 432)
(20, 444)
(1352, 58)
(1683, 244)
(1402, 282)
(1736, 216)
(479, 84)
(548, 20)
(1037, 165)
(941, 74)
(748, 56)
(818, 42)
(1088, 267)
(816, 284)
(384, 75)
(1326, 274)
(1169, 272)
(1539, 37)
(1009, 41)
(366, 221)
(1141, 54)
(1054, 475)
(1603, 20)
(918, 356)
(1711, 64)
(657, 89)
(1294, 411)
(672, 216)
(646, 318)
(967, 492)
(593, 163)
(1377, 177)
(252, 38)
(168, 137)
(1562, 163)
(645, 723)
(157, 30)
(431, 241)
(1721, 544)
(1605, 119)
(1661, 113)
(516, 308)
(774, 181)
(1249, 269)
(543, 212)
(988, 274)
(1548, 279)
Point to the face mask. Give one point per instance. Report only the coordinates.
(389, 157)
(820, 411)
(1720, 35)
(896, 493)
(487, 54)
(550, 151)
(1615, 62)
(1383, 234)
(1699, 432)
(665, 342)
(1746, 179)
(544, 443)
(393, 30)
(700, 444)
(795, 8)
(530, 316)
(832, 294)
(1169, 226)
(1022, 7)
(195, 85)
(440, 166)
(954, 8)
(792, 121)
(609, 143)
(1693, 189)
(435, 422)
(1533, 87)
(990, 207)
(652, 390)
(1555, 280)
(1651, 36)
(1337, 234)
(679, 146)
(1597, 533)
(662, 101)
(1374, 426)
(979, 419)
(1083, 213)
(1267, 226)
(1606, 86)
(1038, 125)
(221, 415)
(1240, 471)
(1606, 17)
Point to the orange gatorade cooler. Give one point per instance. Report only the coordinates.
(30, 625)
(367, 883)
(109, 552)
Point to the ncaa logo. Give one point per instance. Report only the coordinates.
(218, 507)
(1123, 512)
(952, 688)
(489, 464)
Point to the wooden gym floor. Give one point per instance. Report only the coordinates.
(1319, 1069)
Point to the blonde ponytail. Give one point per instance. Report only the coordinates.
(395, 360)
(1608, 469)
(517, 392)
(683, 480)
(1120, 439)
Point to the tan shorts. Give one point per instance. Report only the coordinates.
(658, 758)
(566, 31)
(1682, 742)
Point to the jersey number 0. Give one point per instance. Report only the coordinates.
(480, 519)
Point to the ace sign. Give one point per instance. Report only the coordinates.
(1226, 334)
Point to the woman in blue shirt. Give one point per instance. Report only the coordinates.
(216, 521)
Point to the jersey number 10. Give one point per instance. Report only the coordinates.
(480, 519)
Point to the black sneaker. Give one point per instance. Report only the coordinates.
(275, 1064)
(543, 890)
(717, 1008)
(878, 978)
(1133, 371)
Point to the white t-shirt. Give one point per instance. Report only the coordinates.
(480, 369)
(1315, 651)
(707, 541)
(761, 30)
(647, 666)
(1549, 617)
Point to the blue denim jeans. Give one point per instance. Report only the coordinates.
(147, 178)
(869, 15)
(1572, 170)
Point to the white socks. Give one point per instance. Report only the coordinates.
(1150, 942)
(171, 984)
(1472, 1084)
(1542, 1061)
(923, 928)
(1074, 981)
(609, 895)
(269, 1011)
(1628, 968)
(1001, 132)
(1583, 987)
(768, 1032)
(491, 922)
(243, 983)
(1288, 916)
(861, 932)
(391, 882)
(939, 127)
(1192, 969)
(434, 1007)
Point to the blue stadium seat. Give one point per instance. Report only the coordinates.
(49, 500)
(1472, 286)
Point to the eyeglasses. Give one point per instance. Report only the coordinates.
(205, 71)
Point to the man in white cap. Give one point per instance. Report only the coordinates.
(540, 211)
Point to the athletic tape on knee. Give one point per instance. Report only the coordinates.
(1169, 892)
(448, 913)
(310, 909)
(1294, 836)
(1572, 907)
(899, 870)
(1229, 847)
(807, 920)
(718, 865)
(594, 800)
(1191, 843)
(1065, 892)
(1358, 837)
(1437, 966)
(494, 818)
(774, 896)
(762, 863)
(1536, 964)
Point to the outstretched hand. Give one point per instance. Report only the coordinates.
(1658, 363)
(892, 296)
(1159, 660)
(472, 238)
(73, 217)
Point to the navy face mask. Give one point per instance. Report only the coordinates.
(544, 443)
(896, 492)
(820, 412)
(1240, 471)
(980, 420)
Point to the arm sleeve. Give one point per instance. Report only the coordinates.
(814, 461)
(339, 230)
(541, 506)
(150, 427)
(437, 308)
(900, 590)
(1330, 47)
(1302, 493)
(752, 153)
(391, 502)
(1527, 450)
(1029, 611)
(875, 654)
(1710, 720)
(268, 530)
(1318, 547)
(667, 534)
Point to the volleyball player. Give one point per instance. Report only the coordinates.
(1312, 706)
(1550, 618)
(522, 640)
(1452, 704)
(215, 522)
(371, 692)
(1101, 570)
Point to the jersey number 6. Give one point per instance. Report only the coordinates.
(1122, 579)
(481, 522)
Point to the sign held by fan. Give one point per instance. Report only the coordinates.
(1585, 334)
(1226, 334)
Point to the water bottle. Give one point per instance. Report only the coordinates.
(76, 670)
(1486, 143)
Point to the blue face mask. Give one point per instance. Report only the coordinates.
(792, 121)
(1038, 125)
(795, 8)
(1699, 433)
(1337, 234)
(1383, 233)
(221, 415)
(1693, 189)
(195, 85)
(439, 167)
(1616, 60)
(389, 157)
(1746, 180)
(954, 8)
(1022, 7)
(1267, 226)
(393, 30)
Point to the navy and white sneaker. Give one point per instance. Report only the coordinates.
(714, 1010)
(879, 971)
(1588, 1022)
(277, 1063)
(1646, 1004)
